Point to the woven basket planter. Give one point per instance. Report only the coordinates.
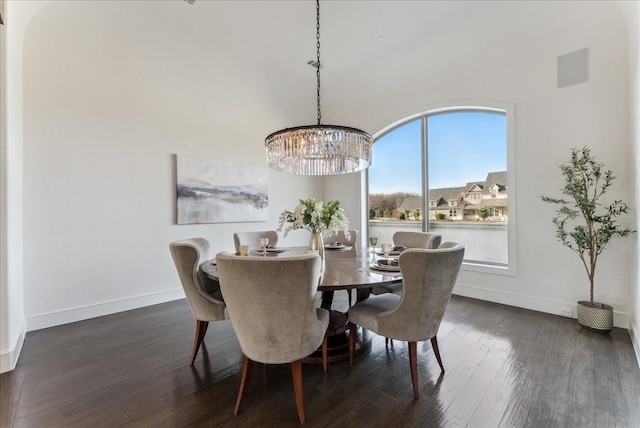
(597, 317)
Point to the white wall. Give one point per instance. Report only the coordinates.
(12, 308)
(631, 12)
(110, 96)
(508, 52)
(112, 90)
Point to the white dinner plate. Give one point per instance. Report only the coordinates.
(270, 251)
(336, 247)
(386, 268)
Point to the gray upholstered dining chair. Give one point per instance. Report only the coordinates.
(417, 239)
(339, 236)
(188, 255)
(429, 277)
(252, 239)
(425, 240)
(272, 306)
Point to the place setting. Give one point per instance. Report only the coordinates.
(389, 262)
(266, 249)
(387, 265)
(337, 246)
(392, 251)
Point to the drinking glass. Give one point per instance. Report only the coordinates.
(386, 249)
(373, 241)
(264, 243)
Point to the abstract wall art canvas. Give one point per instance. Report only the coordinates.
(213, 191)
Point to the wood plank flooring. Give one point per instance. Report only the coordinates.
(505, 367)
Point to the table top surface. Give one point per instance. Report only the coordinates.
(345, 268)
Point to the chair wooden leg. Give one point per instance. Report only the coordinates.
(201, 330)
(387, 341)
(434, 345)
(349, 294)
(206, 327)
(247, 369)
(352, 342)
(325, 347)
(413, 363)
(296, 372)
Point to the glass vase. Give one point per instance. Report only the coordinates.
(316, 245)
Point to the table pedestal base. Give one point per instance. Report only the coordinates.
(338, 341)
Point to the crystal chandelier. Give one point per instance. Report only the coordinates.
(319, 149)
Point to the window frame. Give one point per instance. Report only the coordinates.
(508, 109)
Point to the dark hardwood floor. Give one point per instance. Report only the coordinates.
(505, 367)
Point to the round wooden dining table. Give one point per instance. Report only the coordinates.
(345, 268)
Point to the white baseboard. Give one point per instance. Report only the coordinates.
(564, 309)
(66, 316)
(635, 340)
(9, 357)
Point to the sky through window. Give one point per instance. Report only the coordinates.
(463, 147)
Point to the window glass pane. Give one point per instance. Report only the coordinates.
(395, 182)
(467, 194)
(468, 168)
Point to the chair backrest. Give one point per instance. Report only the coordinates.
(417, 239)
(252, 239)
(272, 306)
(340, 237)
(188, 255)
(428, 277)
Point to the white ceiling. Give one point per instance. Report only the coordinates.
(281, 34)
(272, 41)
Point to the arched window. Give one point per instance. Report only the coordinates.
(452, 156)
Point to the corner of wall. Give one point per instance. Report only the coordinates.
(631, 13)
(9, 358)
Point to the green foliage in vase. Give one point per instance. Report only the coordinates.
(316, 217)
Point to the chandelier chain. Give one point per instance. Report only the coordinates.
(318, 58)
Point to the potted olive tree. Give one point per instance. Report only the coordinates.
(585, 226)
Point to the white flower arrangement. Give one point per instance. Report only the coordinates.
(316, 217)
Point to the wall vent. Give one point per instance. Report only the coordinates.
(573, 68)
